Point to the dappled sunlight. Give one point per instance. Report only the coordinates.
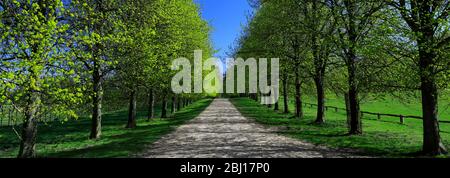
(381, 138)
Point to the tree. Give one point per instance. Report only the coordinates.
(96, 26)
(181, 30)
(285, 39)
(354, 19)
(320, 28)
(428, 22)
(151, 105)
(37, 70)
(136, 59)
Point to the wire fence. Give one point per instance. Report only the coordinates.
(9, 116)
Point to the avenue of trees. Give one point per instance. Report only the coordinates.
(57, 56)
(352, 48)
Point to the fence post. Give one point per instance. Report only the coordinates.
(379, 116)
(336, 109)
(402, 119)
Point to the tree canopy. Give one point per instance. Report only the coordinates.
(59, 56)
(356, 48)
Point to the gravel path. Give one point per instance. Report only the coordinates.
(222, 132)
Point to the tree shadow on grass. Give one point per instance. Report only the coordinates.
(334, 133)
(119, 145)
(132, 141)
(371, 143)
(70, 139)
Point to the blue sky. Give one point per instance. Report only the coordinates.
(226, 18)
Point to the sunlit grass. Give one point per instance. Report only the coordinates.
(71, 139)
(385, 137)
(389, 105)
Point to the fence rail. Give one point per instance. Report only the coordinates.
(10, 117)
(379, 115)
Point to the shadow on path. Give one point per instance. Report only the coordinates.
(222, 132)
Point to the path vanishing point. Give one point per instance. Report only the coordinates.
(220, 131)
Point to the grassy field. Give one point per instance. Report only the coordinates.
(390, 105)
(70, 140)
(385, 137)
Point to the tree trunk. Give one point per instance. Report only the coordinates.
(319, 70)
(285, 94)
(132, 111)
(164, 107)
(255, 96)
(355, 113)
(29, 128)
(432, 144)
(96, 127)
(351, 58)
(298, 100)
(151, 105)
(320, 117)
(172, 106)
(347, 109)
(178, 104)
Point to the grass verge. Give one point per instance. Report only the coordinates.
(385, 138)
(70, 140)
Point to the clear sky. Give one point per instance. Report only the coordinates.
(226, 18)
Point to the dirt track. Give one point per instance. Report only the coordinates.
(222, 132)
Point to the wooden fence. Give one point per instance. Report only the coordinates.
(379, 115)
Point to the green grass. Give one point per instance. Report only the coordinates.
(385, 137)
(390, 105)
(70, 140)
